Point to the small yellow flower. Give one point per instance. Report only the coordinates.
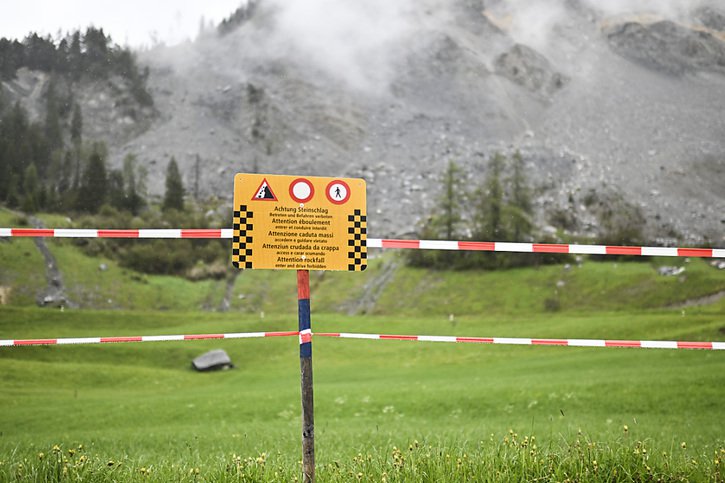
(626, 428)
(683, 445)
(41, 456)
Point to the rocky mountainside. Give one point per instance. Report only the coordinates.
(629, 104)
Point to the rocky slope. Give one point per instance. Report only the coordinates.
(628, 104)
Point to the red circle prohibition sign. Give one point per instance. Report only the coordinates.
(301, 190)
(337, 192)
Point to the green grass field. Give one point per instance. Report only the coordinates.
(141, 405)
(384, 410)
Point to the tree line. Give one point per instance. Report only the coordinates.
(77, 56)
(47, 165)
(499, 209)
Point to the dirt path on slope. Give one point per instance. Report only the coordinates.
(706, 300)
(54, 294)
(372, 290)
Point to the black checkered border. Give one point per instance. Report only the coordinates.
(357, 243)
(242, 237)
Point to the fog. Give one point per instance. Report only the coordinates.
(534, 22)
(356, 42)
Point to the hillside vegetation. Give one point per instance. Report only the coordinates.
(387, 287)
(385, 410)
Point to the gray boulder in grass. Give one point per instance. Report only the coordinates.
(213, 360)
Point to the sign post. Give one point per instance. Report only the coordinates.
(308, 412)
(300, 223)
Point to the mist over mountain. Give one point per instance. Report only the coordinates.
(625, 98)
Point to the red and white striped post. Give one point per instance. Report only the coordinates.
(308, 411)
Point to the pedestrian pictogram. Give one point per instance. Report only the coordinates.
(264, 192)
(338, 192)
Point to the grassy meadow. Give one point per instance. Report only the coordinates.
(384, 410)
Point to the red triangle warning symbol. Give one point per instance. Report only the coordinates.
(264, 192)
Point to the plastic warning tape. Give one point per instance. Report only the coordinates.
(222, 233)
(97, 233)
(142, 338)
(643, 344)
(306, 336)
(574, 249)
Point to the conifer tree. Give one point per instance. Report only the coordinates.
(76, 137)
(488, 220)
(174, 195)
(134, 200)
(444, 223)
(94, 184)
(451, 202)
(520, 208)
(116, 190)
(75, 56)
(31, 189)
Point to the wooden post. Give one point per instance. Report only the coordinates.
(308, 412)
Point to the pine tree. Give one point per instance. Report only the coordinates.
(76, 137)
(75, 56)
(96, 53)
(174, 195)
(94, 184)
(444, 223)
(116, 190)
(134, 200)
(31, 190)
(488, 219)
(451, 202)
(197, 177)
(520, 208)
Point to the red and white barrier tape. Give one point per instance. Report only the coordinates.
(96, 233)
(306, 336)
(142, 338)
(548, 248)
(643, 344)
(574, 249)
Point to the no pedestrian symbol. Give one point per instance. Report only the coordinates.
(299, 223)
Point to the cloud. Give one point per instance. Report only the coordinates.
(352, 40)
(533, 22)
(664, 8)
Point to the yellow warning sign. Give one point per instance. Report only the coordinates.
(299, 223)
